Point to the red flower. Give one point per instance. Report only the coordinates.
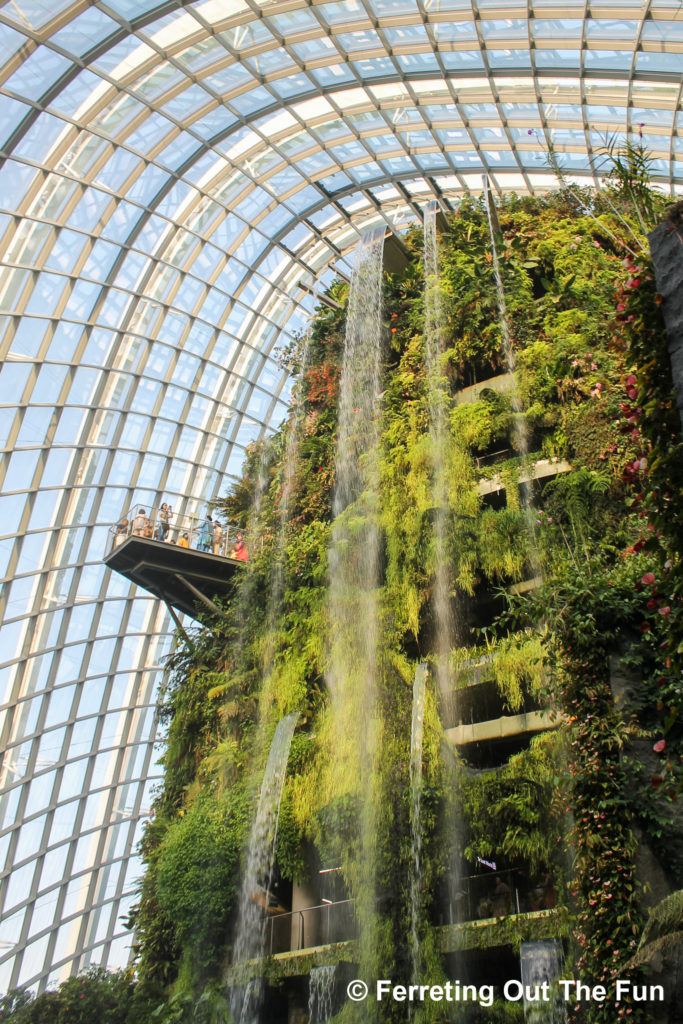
(649, 577)
(659, 746)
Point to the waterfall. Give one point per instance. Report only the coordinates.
(508, 350)
(354, 567)
(417, 876)
(320, 993)
(437, 397)
(291, 463)
(519, 425)
(540, 962)
(251, 931)
(358, 429)
(445, 623)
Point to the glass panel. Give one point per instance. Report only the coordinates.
(37, 73)
(84, 31)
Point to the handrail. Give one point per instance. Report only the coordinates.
(499, 893)
(328, 925)
(169, 527)
(479, 897)
(483, 460)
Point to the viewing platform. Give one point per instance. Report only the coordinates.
(494, 909)
(188, 567)
(489, 933)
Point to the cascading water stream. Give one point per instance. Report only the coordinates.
(437, 396)
(320, 993)
(354, 564)
(358, 431)
(251, 924)
(519, 425)
(291, 463)
(541, 963)
(447, 627)
(417, 875)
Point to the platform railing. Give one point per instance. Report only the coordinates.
(311, 926)
(195, 531)
(499, 893)
(492, 457)
(478, 897)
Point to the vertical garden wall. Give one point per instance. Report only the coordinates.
(564, 573)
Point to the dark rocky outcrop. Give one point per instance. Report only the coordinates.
(666, 246)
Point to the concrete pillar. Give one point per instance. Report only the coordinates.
(304, 920)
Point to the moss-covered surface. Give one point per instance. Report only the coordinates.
(512, 930)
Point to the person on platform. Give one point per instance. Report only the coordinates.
(501, 898)
(205, 535)
(140, 524)
(165, 514)
(239, 552)
(184, 541)
(217, 538)
(122, 531)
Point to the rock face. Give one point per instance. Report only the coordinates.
(666, 246)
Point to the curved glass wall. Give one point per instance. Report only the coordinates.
(173, 182)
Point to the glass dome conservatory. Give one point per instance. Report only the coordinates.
(176, 179)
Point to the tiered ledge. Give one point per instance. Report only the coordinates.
(503, 931)
(489, 933)
(296, 963)
(475, 714)
(526, 585)
(502, 384)
(541, 469)
(503, 728)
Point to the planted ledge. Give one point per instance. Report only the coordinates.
(540, 469)
(502, 384)
(505, 727)
(294, 963)
(526, 585)
(511, 930)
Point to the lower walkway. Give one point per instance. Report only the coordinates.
(488, 933)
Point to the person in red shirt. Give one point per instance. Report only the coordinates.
(239, 552)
